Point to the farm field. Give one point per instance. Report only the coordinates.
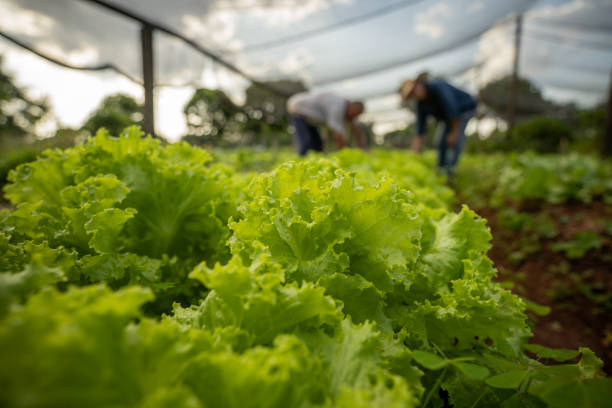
(142, 274)
(550, 217)
(305, 204)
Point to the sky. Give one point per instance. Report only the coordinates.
(361, 49)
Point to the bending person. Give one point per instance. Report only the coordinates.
(446, 103)
(310, 110)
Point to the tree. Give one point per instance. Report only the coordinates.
(266, 111)
(590, 128)
(529, 100)
(541, 134)
(115, 113)
(209, 114)
(19, 113)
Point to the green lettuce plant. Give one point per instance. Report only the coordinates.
(138, 274)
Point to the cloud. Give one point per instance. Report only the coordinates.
(475, 6)
(595, 15)
(217, 29)
(432, 21)
(296, 62)
(556, 11)
(170, 101)
(63, 29)
(73, 95)
(495, 51)
(232, 84)
(280, 13)
(66, 32)
(542, 61)
(14, 20)
(82, 33)
(79, 57)
(585, 99)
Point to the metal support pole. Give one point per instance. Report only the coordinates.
(607, 133)
(146, 36)
(515, 74)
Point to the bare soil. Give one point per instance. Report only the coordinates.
(578, 291)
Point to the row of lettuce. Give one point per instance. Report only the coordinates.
(136, 274)
(530, 178)
(527, 190)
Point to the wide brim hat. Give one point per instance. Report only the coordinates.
(409, 84)
(407, 88)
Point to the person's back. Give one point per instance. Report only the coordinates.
(448, 104)
(445, 102)
(308, 110)
(319, 108)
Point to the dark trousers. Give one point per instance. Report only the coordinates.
(449, 157)
(306, 136)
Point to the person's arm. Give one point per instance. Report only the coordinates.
(417, 143)
(335, 113)
(359, 138)
(339, 136)
(453, 133)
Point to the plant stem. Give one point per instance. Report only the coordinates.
(479, 398)
(435, 387)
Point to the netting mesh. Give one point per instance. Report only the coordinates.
(357, 48)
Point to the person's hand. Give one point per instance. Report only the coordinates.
(451, 139)
(417, 144)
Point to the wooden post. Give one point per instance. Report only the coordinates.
(515, 74)
(146, 36)
(607, 132)
(476, 116)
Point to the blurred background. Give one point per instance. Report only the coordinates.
(218, 72)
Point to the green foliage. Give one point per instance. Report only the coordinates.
(214, 120)
(19, 113)
(208, 114)
(266, 113)
(589, 130)
(115, 113)
(579, 245)
(408, 170)
(13, 159)
(323, 283)
(532, 178)
(246, 160)
(495, 143)
(399, 138)
(132, 210)
(529, 101)
(541, 134)
(559, 355)
(532, 231)
(16, 152)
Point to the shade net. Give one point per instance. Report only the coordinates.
(359, 49)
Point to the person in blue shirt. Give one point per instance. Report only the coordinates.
(446, 103)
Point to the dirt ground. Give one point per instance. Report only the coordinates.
(578, 291)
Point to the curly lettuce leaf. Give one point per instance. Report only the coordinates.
(323, 227)
(255, 299)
